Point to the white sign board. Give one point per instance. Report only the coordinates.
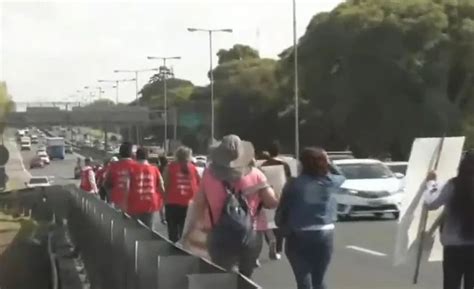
(277, 179)
(424, 153)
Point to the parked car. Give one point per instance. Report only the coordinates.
(370, 188)
(36, 182)
(36, 162)
(44, 157)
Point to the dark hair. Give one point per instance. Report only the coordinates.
(462, 202)
(274, 149)
(142, 154)
(310, 158)
(126, 150)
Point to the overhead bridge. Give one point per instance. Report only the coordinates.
(74, 114)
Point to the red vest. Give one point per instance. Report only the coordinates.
(119, 173)
(85, 182)
(182, 187)
(144, 195)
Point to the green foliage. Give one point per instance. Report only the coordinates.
(374, 74)
(178, 91)
(378, 73)
(6, 103)
(237, 52)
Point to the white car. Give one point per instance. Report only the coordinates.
(44, 156)
(398, 167)
(370, 188)
(36, 182)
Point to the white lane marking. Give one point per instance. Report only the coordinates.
(368, 251)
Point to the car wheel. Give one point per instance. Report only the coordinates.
(396, 215)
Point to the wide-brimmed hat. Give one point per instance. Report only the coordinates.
(231, 158)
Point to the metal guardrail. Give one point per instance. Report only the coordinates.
(120, 252)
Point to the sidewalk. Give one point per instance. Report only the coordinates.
(15, 169)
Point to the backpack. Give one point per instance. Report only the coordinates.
(234, 230)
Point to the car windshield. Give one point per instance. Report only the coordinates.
(365, 171)
(398, 168)
(37, 181)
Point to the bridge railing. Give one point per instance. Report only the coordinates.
(120, 252)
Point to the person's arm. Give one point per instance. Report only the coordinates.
(92, 182)
(434, 197)
(269, 198)
(160, 185)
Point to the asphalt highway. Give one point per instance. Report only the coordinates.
(362, 254)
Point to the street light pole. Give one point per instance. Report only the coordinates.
(165, 73)
(117, 81)
(296, 88)
(211, 76)
(136, 72)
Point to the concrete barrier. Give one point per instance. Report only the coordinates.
(120, 252)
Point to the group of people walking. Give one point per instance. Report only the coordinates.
(143, 190)
(222, 213)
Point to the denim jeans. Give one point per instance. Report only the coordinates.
(309, 253)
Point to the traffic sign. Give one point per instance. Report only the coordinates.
(4, 155)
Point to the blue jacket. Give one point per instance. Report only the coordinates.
(309, 201)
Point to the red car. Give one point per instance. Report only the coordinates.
(36, 162)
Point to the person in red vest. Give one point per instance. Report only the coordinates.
(118, 175)
(182, 183)
(88, 183)
(145, 197)
(100, 178)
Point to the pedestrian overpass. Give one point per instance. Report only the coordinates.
(75, 114)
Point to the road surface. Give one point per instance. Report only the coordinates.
(362, 258)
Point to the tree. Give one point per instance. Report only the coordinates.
(6, 103)
(246, 95)
(237, 52)
(375, 74)
(178, 91)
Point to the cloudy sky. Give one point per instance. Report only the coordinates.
(49, 50)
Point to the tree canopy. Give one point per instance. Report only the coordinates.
(373, 75)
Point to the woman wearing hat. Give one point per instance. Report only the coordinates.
(231, 166)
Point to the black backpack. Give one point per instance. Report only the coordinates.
(234, 230)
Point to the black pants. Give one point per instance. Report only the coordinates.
(103, 194)
(175, 216)
(458, 264)
(245, 259)
(309, 253)
(275, 235)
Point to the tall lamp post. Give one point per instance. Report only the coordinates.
(137, 99)
(99, 90)
(210, 32)
(165, 72)
(136, 71)
(296, 88)
(116, 82)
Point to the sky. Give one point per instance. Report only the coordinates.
(50, 50)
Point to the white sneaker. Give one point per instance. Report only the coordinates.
(277, 256)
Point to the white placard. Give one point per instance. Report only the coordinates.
(277, 179)
(422, 158)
